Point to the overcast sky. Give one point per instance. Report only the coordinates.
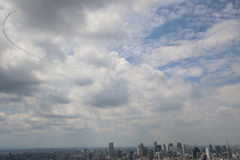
(82, 73)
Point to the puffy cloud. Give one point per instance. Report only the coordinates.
(106, 71)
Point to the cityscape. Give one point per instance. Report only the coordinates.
(169, 151)
(120, 80)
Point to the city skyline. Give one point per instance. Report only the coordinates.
(86, 73)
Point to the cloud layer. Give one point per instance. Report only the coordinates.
(122, 71)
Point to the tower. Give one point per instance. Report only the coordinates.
(110, 150)
(140, 150)
(229, 154)
(154, 148)
(210, 148)
(184, 149)
(207, 153)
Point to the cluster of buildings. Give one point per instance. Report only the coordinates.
(180, 151)
(141, 152)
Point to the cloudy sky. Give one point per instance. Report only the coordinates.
(82, 73)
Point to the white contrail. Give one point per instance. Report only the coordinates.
(14, 43)
(45, 60)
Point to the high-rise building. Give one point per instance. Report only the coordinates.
(154, 148)
(187, 149)
(207, 153)
(161, 155)
(170, 154)
(224, 148)
(170, 147)
(179, 145)
(184, 148)
(229, 154)
(210, 148)
(119, 154)
(140, 150)
(145, 151)
(218, 150)
(150, 155)
(158, 148)
(164, 147)
(110, 150)
(194, 154)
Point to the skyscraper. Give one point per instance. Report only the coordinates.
(158, 148)
(110, 150)
(224, 149)
(207, 153)
(210, 148)
(154, 148)
(140, 150)
(164, 147)
(218, 150)
(184, 148)
(119, 154)
(170, 147)
(179, 145)
(229, 154)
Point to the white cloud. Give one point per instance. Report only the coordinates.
(229, 94)
(111, 86)
(178, 71)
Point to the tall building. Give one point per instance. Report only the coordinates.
(164, 147)
(129, 154)
(224, 149)
(184, 149)
(150, 155)
(140, 150)
(179, 145)
(110, 150)
(158, 148)
(187, 149)
(207, 153)
(210, 148)
(229, 154)
(218, 150)
(170, 147)
(145, 151)
(154, 148)
(119, 154)
(194, 152)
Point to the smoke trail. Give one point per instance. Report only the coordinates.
(14, 43)
(45, 60)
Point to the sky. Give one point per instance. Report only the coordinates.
(83, 73)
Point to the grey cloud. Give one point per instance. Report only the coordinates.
(34, 124)
(53, 51)
(16, 80)
(107, 99)
(76, 129)
(188, 123)
(64, 18)
(109, 96)
(83, 81)
(173, 104)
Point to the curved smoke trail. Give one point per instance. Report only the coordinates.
(14, 43)
(45, 60)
